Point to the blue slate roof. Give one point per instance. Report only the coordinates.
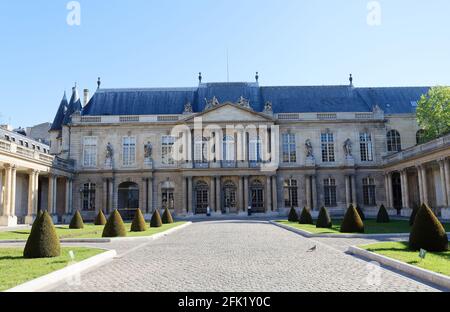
(74, 106)
(59, 118)
(284, 99)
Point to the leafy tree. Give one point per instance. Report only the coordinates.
(433, 113)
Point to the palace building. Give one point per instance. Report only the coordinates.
(231, 147)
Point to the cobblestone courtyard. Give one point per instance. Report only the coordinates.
(239, 256)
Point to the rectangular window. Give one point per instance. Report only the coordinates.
(327, 140)
(129, 151)
(369, 192)
(255, 150)
(366, 146)
(167, 143)
(330, 192)
(290, 193)
(90, 152)
(289, 148)
(89, 197)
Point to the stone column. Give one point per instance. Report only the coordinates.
(406, 203)
(274, 194)
(425, 185)
(105, 195)
(348, 198)
(31, 197)
(314, 193)
(51, 179)
(7, 217)
(2, 204)
(111, 196)
(246, 194)
(68, 208)
(241, 195)
(143, 195)
(268, 195)
(353, 187)
(184, 195)
(36, 190)
(149, 207)
(212, 192)
(190, 196)
(218, 196)
(447, 179)
(444, 186)
(7, 200)
(419, 181)
(308, 191)
(12, 208)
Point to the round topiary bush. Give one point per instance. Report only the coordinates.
(100, 219)
(352, 222)
(77, 221)
(412, 218)
(361, 213)
(167, 217)
(115, 226)
(383, 216)
(293, 215)
(305, 217)
(43, 241)
(156, 221)
(428, 232)
(324, 220)
(138, 224)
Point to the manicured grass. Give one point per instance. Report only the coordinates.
(436, 262)
(371, 227)
(15, 270)
(89, 231)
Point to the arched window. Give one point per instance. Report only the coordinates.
(88, 193)
(290, 193)
(228, 148)
(201, 150)
(420, 136)
(394, 142)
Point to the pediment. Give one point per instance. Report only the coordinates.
(231, 112)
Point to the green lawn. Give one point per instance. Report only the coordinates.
(371, 227)
(15, 270)
(89, 231)
(436, 262)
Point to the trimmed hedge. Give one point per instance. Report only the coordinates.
(138, 224)
(156, 221)
(361, 213)
(428, 232)
(167, 217)
(293, 215)
(100, 219)
(413, 215)
(352, 221)
(115, 226)
(383, 215)
(43, 241)
(305, 217)
(324, 220)
(77, 221)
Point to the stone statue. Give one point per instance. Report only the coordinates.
(243, 102)
(348, 148)
(109, 151)
(268, 108)
(148, 150)
(188, 108)
(212, 103)
(309, 149)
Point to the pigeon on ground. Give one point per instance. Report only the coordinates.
(312, 249)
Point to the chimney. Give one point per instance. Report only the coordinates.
(86, 97)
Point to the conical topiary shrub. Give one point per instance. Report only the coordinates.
(412, 218)
(156, 221)
(324, 220)
(383, 216)
(138, 224)
(100, 219)
(361, 213)
(43, 241)
(352, 222)
(115, 226)
(167, 217)
(293, 215)
(428, 232)
(77, 221)
(305, 217)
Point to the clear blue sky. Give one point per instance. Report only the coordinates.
(147, 43)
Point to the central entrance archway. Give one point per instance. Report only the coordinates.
(201, 197)
(229, 198)
(128, 199)
(257, 197)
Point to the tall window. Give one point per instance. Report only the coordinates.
(369, 192)
(394, 143)
(129, 151)
(255, 150)
(290, 193)
(90, 152)
(201, 150)
(327, 140)
(366, 146)
(167, 198)
(167, 143)
(228, 148)
(330, 192)
(88, 195)
(289, 148)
